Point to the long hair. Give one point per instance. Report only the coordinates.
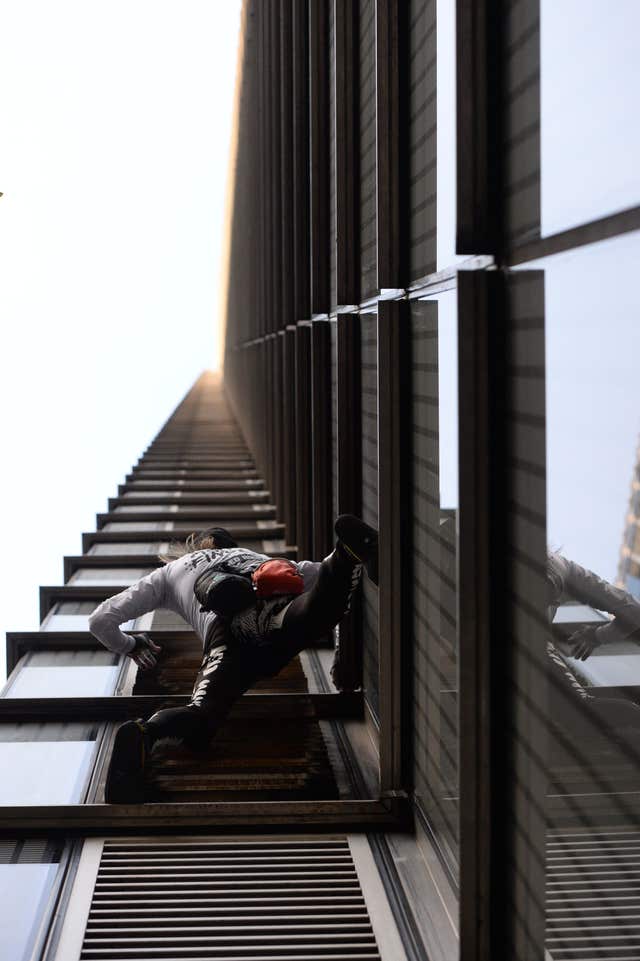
(198, 541)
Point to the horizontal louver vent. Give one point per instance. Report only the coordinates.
(593, 896)
(284, 900)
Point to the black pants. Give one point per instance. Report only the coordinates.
(229, 669)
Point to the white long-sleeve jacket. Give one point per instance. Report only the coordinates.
(171, 587)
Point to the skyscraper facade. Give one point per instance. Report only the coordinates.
(431, 321)
(253, 850)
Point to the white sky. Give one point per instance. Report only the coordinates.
(589, 140)
(114, 142)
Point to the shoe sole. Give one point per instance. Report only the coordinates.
(125, 777)
(371, 564)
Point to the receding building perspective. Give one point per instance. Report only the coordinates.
(431, 322)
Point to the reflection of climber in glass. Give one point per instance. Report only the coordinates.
(568, 581)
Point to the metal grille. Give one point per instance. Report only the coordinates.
(195, 898)
(593, 896)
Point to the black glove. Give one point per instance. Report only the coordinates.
(584, 641)
(145, 651)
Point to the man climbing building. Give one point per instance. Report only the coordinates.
(223, 592)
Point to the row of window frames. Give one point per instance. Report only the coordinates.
(174, 508)
(191, 524)
(179, 494)
(46, 763)
(71, 616)
(157, 547)
(71, 673)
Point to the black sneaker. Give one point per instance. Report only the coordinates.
(359, 541)
(125, 777)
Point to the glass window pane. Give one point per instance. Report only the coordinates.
(138, 526)
(73, 622)
(144, 547)
(108, 575)
(588, 111)
(72, 658)
(592, 304)
(66, 622)
(593, 398)
(144, 508)
(24, 893)
(64, 682)
(435, 526)
(44, 772)
(74, 607)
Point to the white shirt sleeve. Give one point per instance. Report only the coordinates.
(145, 595)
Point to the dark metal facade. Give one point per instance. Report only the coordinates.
(412, 235)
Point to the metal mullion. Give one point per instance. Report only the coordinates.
(251, 202)
(289, 433)
(347, 152)
(301, 160)
(479, 108)
(319, 158)
(595, 231)
(102, 819)
(268, 251)
(502, 892)
(260, 324)
(262, 406)
(276, 165)
(119, 707)
(271, 397)
(279, 439)
(303, 441)
(287, 313)
(349, 452)
(394, 497)
(391, 128)
(474, 620)
(322, 480)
